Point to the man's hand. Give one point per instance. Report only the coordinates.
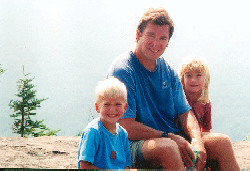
(184, 148)
(191, 127)
(202, 157)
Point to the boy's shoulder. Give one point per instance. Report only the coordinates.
(120, 129)
(94, 125)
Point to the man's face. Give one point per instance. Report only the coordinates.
(153, 41)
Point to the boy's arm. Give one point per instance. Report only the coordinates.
(87, 165)
(87, 148)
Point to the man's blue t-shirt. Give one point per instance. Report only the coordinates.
(155, 98)
(102, 148)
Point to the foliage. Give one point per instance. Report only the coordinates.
(247, 138)
(79, 134)
(1, 70)
(24, 109)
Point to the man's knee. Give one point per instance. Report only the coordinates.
(162, 152)
(159, 147)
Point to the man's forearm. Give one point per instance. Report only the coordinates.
(138, 131)
(190, 125)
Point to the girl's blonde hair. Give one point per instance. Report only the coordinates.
(110, 88)
(196, 63)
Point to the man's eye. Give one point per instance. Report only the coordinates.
(106, 104)
(118, 104)
(151, 35)
(164, 38)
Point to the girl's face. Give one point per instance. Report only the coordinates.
(193, 81)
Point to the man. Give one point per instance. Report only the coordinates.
(156, 103)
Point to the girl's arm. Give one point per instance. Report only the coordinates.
(87, 165)
(205, 130)
(207, 119)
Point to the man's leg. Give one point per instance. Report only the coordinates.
(218, 146)
(163, 152)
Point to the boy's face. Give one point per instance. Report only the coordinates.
(111, 110)
(193, 81)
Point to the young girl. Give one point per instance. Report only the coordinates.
(195, 77)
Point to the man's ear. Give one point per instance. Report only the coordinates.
(138, 35)
(97, 108)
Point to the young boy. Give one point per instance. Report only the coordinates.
(104, 143)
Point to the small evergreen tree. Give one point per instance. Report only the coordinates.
(23, 110)
(1, 70)
(247, 138)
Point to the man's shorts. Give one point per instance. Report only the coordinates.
(137, 160)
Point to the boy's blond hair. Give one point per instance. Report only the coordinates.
(110, 88)
(196, 63)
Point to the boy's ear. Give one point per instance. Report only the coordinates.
(125, 106)
(97, 108)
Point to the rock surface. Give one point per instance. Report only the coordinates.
(61, 152)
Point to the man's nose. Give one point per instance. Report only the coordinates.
(156, 44)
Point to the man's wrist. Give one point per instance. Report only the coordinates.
(164, 134)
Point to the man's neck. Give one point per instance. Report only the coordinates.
(148, 64)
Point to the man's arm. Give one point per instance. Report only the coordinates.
(191, 128)
(138, 131)
(190, 125)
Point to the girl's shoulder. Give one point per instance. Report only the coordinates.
(200, 104)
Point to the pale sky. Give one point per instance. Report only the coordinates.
(69, 45)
